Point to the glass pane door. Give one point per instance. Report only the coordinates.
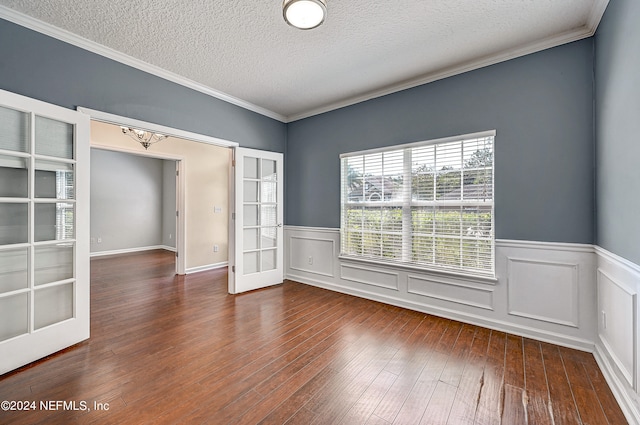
(258, 224)
(40, 297)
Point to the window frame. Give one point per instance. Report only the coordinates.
(406, 204)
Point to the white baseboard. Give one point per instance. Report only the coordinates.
(206, 267)
(627, 400)
(130, 250)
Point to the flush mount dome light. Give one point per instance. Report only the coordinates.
(304, 14)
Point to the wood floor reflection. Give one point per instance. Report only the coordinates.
(168, 349)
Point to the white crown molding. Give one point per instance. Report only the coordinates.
(595, 16)
(588, 30)
(558, 40)
(68, 37)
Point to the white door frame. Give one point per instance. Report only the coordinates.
(106, 117)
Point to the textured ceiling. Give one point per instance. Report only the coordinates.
(243, 48)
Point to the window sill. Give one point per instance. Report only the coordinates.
(491, 280)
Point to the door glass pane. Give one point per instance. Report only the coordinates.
(14, 130)
(54, 180)
(13, 270)
(269, 236)
(14, 177)
(15, 316)
(54, 222)
(251, 262)
(269, 191)
(250, 215)
(250, 168)
(53, 263)
(268, 169)
(54, 138)
(250, 191)
(13, 223)
(268, 260)
(52, 305)
(268, 215)
(250, 239)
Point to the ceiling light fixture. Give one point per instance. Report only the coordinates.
(145, 138)
(304, 14)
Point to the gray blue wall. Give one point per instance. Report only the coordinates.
(541, 106)
(41, 67)
(618, 129)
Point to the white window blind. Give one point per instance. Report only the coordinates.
(426, 204)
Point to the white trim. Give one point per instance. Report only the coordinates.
(156, 128)
(44, 28)
(537, 46)
(130, 250)
(625, 401)
(595, 16)
(99, 49)
(312, 229)
(629, 265)
(197, 269)
(491, 280)
(553, 246)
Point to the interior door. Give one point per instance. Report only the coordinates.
(44, 229)
(257, 258)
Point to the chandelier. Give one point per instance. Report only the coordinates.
(145, 138)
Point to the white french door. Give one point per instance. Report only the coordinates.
(44, 229)
(257, 258)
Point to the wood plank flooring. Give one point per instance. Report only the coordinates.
(166, 349)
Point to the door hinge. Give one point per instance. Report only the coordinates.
(233, 162)
(233, 216)
(177, 213)
(233, 269)
(177, 173)
(176, 254)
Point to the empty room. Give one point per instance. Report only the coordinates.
(319, 212)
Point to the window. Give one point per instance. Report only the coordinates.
(427, 204)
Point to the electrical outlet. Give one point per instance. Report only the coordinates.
(216, 248)
(310, 260)
(170, 236)
(604, 320)
(99, 239)
(217, 210)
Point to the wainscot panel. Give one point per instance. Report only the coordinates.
(446, 290)
(616, 348)
(543, 290)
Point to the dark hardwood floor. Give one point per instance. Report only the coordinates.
(166, 350)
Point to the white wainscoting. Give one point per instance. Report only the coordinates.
(616, 348)
(545, 291)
